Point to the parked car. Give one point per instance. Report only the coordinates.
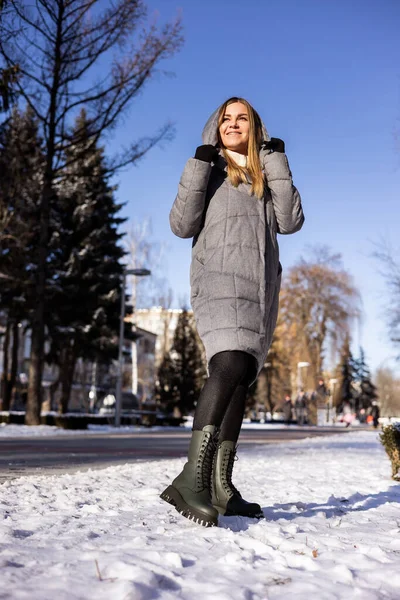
(129, 403)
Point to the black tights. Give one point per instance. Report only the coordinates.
(223, 398)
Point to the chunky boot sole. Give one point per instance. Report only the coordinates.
(258, 515)
(172, 496)
(225, 512)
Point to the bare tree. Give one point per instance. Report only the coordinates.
(57, 45)
(318, 303)
(388, 386)
(390, 270)
(144, 252)
(8, 76)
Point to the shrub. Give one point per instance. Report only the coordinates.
(390, 439)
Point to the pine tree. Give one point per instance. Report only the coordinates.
(367, 390)
(21, 168)
(347, 377)
(167, 385)
(87, 256)
(189, 370)
(274, 378)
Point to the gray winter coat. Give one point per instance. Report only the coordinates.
(235, 273)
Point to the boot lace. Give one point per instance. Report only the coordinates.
(205, 461)
(229, 460)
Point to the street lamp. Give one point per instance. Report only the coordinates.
(300, 365)
(118, 392)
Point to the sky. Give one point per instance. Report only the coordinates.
(330, 531)
(325, 77)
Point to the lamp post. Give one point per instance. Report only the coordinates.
(300, 365)
(118, 391)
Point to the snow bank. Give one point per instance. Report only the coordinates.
(16, 431)
(332, 530)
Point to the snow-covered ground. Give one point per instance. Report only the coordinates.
(14, 431)
(331, 530)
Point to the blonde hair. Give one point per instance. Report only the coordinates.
(236, 173)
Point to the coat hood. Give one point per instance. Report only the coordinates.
(210, 136)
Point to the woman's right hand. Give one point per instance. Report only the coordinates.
(275, 144)
(206, 153)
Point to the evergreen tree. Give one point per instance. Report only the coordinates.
(347, 377)
(167, 384)
(274, 378)
(87, 256)
(21, 168)
(253, 399)
(367, 390)
(189, 370)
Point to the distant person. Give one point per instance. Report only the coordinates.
(322, 393)
(300, 407)
(287, 409)
(321, 396)
(348, 416)
(234, 196)
(375, 414)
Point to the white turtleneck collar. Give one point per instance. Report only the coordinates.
(240, 159)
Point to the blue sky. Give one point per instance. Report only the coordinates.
(325, 77)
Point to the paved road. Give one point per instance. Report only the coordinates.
(55, 455)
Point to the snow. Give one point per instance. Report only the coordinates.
(16, 431)
(332, 530)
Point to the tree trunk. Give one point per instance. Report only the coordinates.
(34, 401)
(67, 369)
(36, 363)
(10, 384)
(4, 377)
(52, 391)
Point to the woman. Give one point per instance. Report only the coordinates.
(234, 196)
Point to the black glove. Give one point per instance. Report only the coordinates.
(275, 144)
(206, 153)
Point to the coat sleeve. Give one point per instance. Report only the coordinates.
(285, 197)
(187, 211)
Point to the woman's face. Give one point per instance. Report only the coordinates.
(234, 130)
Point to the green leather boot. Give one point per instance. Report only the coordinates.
(225, 497)
(190, 492)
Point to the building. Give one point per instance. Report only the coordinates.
(162, 322)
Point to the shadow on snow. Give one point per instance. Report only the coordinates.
(333, 507)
